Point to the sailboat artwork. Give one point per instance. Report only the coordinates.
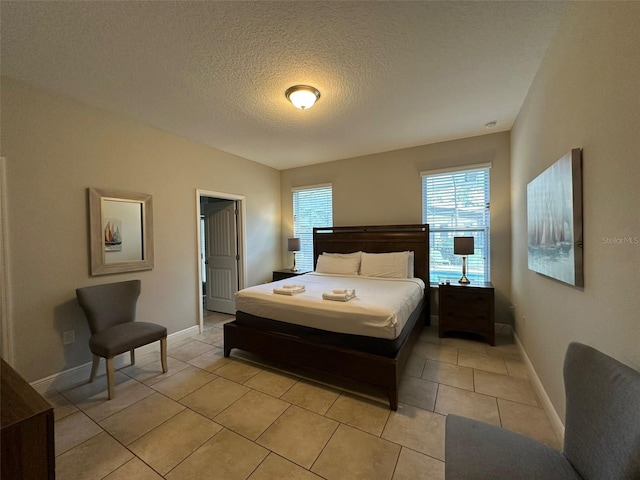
(113, 235)
(554, 220)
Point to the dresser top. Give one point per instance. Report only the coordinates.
(19, 399)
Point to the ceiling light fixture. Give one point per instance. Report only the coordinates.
(491, 124)
(302, 96)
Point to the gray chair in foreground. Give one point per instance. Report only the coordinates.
(602, 431)
(111, 311)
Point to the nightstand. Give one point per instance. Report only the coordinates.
(467, 308)
(286, 273)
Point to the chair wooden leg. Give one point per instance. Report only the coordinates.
(133, 356)
(110, 378)
(94, 368)
(163, 354)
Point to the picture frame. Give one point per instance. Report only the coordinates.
(120, 231)
(554, 221)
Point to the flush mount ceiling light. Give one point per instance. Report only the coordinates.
(302, 96)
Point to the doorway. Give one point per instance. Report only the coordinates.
(220, 251)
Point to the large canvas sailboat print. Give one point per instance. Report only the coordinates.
(554, 219)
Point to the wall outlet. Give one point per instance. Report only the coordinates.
(68, 337)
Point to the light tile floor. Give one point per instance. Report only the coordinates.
(244, 418)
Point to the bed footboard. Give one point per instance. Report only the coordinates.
(379, 372)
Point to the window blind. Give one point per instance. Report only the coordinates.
(456, 203)
(312, 207)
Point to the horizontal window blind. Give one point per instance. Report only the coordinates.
(312, 207)
(455, 204)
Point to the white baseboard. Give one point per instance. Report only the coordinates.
(181, 335)
(552, 415)
(80, 374)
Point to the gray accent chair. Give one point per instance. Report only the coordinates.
(602, 431)
(111, 312)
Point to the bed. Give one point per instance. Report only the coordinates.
(375, 361)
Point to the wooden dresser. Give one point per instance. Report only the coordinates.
(467, 308)
(27, 429)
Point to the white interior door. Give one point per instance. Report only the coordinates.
(221, 256)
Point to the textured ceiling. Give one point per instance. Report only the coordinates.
(391, 74)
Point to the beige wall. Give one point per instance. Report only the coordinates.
(386, 189)
(585, 95)
(56, 148)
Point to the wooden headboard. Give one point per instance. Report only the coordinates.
(376, 239)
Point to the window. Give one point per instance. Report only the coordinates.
(455, 203)
(312, 207)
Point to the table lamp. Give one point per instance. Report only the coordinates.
(463, 246)
(293, 245)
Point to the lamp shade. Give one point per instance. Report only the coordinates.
(463, 245)
(293, 244)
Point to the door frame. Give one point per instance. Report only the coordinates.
(241, 228)
(6, 323)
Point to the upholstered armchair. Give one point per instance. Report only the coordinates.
(602, 431)
(111, 312)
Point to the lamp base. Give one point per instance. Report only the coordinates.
(294, 269)
(464, 280)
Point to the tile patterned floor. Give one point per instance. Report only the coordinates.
(243, 418)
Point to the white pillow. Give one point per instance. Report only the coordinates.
(410, 266)
(338, 265)
(357, 255)
(343, 255)
(388, 265)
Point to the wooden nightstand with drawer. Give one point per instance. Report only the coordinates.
(286, 273)
(467, 308)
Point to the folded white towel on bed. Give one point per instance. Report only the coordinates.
(289, 289)
(340, 295)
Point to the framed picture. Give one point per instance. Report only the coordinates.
(554, 220)
(121, 231)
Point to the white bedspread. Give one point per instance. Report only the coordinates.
(381, 308)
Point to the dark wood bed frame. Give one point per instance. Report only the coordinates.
(380, 372)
